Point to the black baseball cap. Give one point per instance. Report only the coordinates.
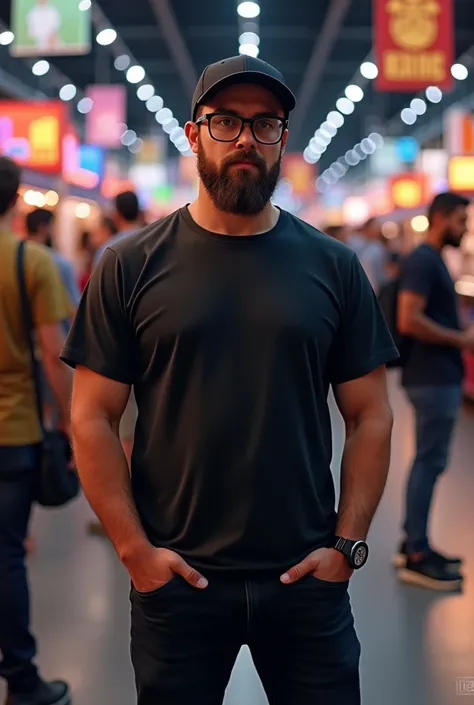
(241, 69)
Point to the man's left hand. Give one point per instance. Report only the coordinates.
(325, 563)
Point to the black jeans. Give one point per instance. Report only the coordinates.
(301, 636)
(17, 645)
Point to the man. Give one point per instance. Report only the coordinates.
(231, 319)
(39, 225)
(432, 377)
(127, 219)
(372, 254)
(20, 437)
(44, 23)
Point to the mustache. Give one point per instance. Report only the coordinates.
(246, 158)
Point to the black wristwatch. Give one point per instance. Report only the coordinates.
(356, 552)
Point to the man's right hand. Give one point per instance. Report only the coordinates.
(154, 567)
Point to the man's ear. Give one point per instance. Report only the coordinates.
(191, 130)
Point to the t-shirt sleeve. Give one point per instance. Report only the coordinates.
(417, 274)
(101, 337)
(49, 301)
(363, 341)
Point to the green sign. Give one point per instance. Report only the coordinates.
(50, 27)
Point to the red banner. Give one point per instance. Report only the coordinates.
(31, 133)
(413, 44)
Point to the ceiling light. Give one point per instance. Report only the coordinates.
(164, 115)
(408, 116)
(418, 106)
(420, 223)
(249, 38)
(145, 92)
(135, 74)
(176, 133)
(6, 38)
(320, 184)
(136, 146)
(248, 49)
(68, 92)
(85, 5)
(310, 157)
(106, 37)
(369, 70)
(128, 138)
(377, 139)
(169, 125)
(345, 106)
(85, 105)
(434, 94)
(367, 146)
(122, 62)
(248, 10)
(354, 93)
(155, 104)
(323, 137)
(41, 68)
(51, 198)
(83, 210)
(459, 72)
(360, 152)
(335, 119)
(183, 145)
(352, 159)
(329, 129)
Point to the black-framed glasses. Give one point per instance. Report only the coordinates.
(227, 128)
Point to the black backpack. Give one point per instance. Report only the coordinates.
(388, 302)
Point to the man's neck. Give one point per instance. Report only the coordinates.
(433, 238)
(125, 226)
(207, 216)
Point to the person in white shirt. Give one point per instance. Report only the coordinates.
(44, 23)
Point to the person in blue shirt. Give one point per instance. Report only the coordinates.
(432, 379)
(39, 227)
(127, 217)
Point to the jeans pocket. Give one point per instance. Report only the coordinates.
(157, 591)
(330, 583)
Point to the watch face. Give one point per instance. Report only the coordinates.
(360, 554)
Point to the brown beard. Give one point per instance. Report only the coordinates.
(240, 192)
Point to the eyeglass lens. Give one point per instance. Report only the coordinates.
(227, 128)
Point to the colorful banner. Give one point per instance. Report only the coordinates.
(32, 133)
(50, 28)
(458, 138)
(461, 174)
(409, 190)
(299, 173)
(104, 123)
(83, 164)
(413, 44)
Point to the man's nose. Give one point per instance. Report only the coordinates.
(246, 139)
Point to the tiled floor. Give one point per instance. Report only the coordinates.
(415, 644)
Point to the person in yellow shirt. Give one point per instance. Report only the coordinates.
(21, 437)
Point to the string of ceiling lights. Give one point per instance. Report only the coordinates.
(249, 27)
(363, 149)
(335, 119)
(433, 94)
(135, 74)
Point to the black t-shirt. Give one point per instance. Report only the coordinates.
(231, 344)
(424, 272)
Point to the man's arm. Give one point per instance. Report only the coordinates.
(58, 376)
(366, 411)
(97, 407)
(412, 321)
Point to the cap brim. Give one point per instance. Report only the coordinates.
(275, 86)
